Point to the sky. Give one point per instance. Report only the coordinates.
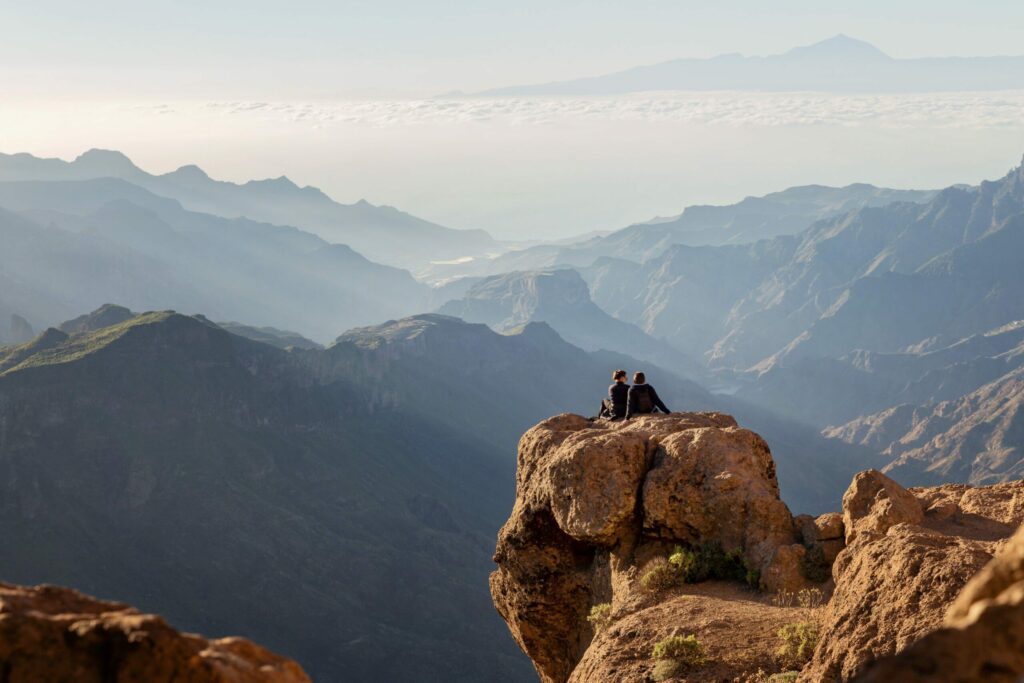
(388, 48)
(337, 95)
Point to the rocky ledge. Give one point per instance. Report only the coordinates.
(49, 633)
(906, 583)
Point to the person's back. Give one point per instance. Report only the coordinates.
(618, 396)
(642, 399)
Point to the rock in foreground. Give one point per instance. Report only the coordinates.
(57, 634)
(983, 635)
(909, 555)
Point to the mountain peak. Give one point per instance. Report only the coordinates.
(839, 46)
(279, 183)
(408, 329)
(104, 316)
(189, 172)
(106, 161)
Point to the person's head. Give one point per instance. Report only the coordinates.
(619, 376)
(639, 378)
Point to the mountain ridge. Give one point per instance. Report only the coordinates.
(381, 233)
(837, 64)
(164, 256)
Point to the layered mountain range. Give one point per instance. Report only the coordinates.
(73, 245)
(889, 320)
(779, 213)
(901, 304)
(335, 504)
(561, 298)
(336, 497)
(381, 233)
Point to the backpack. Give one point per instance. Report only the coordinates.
(644, 404)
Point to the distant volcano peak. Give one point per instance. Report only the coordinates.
(839, 46)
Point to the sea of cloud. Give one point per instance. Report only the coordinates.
(939, 110)
(549, 167)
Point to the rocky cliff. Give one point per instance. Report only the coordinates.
(49, 633)
(627, 539)
(597, 503)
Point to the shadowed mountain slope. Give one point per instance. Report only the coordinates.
(337, 505)
(236, 487)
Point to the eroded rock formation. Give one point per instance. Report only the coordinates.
(57, 634)
(982, 638)
(910, 553)
(596, 500)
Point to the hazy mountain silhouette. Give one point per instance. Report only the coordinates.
(381, 233)
(561, 299)
(867, 279)
(907, 310)
(839, 63)
(780, 213)
(79, 244)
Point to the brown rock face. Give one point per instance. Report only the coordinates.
(874, 502)
(57, 634)
(983, 635)
(597, 499)
(717, 484)
(895, 582)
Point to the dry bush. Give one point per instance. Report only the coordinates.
(797, 643)
(600, 616)
(658, 575)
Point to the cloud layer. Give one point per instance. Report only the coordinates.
(945, 110)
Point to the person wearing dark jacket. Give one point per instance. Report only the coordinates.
(614, 407)
(642, 398)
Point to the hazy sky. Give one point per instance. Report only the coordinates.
(336, 94)
(322, 48)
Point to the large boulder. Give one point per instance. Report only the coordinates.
(57, 634)
(595, 499)
(717, 484)
(874, 502)
(983, 635)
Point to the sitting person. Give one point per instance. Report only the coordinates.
(614, 407)
(642, 399)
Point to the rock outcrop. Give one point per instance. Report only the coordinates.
(983, 635)
(597, 500)
(909, 554)
(57, 634)
(874, 503)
